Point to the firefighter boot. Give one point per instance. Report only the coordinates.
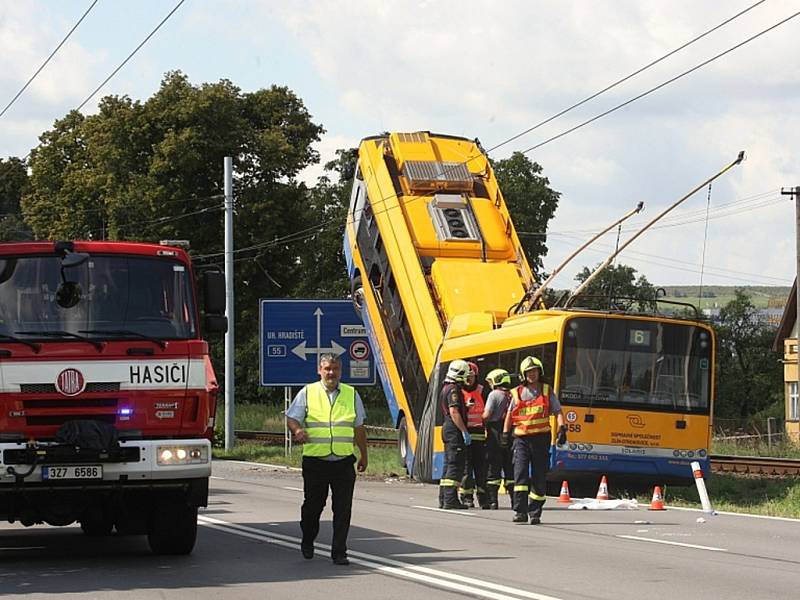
(450, 500)
(483, 499)
(492, 490)
(520, 517)
(535, 509)
(467, 500)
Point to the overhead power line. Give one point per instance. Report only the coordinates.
(135, 50)
(626, 78)
(661, 85)
(52, 54)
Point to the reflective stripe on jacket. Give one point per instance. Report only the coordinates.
(529, 417)
(475, 405)
(330, 427)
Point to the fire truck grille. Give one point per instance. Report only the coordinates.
(69, 403)
(50, 388)
(59, 420)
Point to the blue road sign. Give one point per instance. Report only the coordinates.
(295, 332)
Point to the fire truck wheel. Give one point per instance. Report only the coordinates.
(173, 529)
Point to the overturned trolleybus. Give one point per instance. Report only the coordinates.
(438, 273)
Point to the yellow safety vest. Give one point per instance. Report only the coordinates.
(330, 427)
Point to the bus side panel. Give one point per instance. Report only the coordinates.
(633, 442)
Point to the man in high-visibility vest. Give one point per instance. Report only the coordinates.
(475, 470)
(528, 416)
(328, 417)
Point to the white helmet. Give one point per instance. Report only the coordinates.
(458, 371)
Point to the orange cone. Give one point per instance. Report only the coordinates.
(602, 491)
(564, 496)
(657, 503)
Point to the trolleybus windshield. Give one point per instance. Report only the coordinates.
(626, 363)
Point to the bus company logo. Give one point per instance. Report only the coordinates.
(636, 421)
(70, 382)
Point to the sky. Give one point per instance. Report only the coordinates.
(488, 70)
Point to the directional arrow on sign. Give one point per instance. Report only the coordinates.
(301, 350)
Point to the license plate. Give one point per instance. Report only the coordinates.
(73, 472)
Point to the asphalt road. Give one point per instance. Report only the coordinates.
(402, 547)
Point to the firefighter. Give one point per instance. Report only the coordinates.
(455, 436)
(475, 471)
(501, 469)
(532, 403)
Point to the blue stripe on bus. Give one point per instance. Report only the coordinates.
(391, 400)
(634, 465)
(348, 256)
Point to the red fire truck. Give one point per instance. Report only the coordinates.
(107, 393)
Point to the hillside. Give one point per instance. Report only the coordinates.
(717, 296)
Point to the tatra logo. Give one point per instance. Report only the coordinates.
(636, 421)
(70, 382)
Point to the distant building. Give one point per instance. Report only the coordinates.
(786, 342)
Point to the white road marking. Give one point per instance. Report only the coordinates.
(735, 514)
(441, 579)
(215, 477)
(670, 543)
(294, 489)
(464, 513)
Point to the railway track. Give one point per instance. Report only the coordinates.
(743, 465)
(277, 439)
(754, 465)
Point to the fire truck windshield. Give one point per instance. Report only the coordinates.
(140, 297)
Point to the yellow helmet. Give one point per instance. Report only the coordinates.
(528, 363)
(499, 377)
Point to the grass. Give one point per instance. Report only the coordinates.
(382, 462)
(733, 493)
(777, 497)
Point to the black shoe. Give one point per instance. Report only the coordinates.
(520, 517)
(493, 505)
(535, 520)
(487, 506)
(308, 551)
(341, 560)
(456, 506)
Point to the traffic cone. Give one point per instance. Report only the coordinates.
(657, 503)
(564, 496)
(602, 491)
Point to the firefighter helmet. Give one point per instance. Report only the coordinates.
(528, 363)
(499, 377)
(458, 371)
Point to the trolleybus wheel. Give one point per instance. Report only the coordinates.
(402, 442)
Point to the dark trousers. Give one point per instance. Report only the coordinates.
(501, 467)
(474, 479)
(455, 456)
(318, 476)
(531, 458)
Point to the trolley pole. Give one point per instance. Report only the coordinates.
(795, 192)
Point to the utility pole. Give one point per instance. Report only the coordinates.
(229, 312)
(796, 193)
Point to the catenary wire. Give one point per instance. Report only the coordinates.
(47, 60)
(624, 79)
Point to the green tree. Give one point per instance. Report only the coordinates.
(750, 377)
(531, 203)
(614, 287)
(13, 184)
(153, 170)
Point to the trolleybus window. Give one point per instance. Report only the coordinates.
(636, 364)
